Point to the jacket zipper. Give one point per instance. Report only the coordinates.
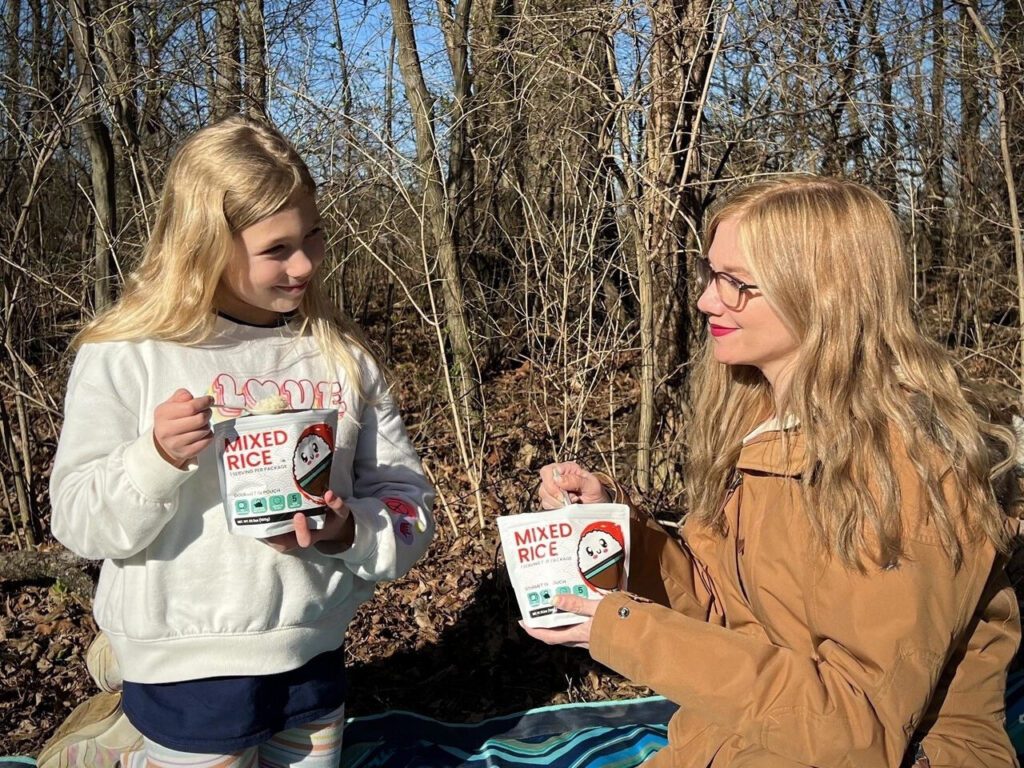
(734, 484)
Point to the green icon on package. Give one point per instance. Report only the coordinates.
(581, 590)
(276, 503)
(259, 506)
(545, 595)
(563, 590)
(533, 598)
(294, 500)
(241, 506)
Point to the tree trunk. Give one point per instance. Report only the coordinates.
(12, 69)
(348, 138)
(455, 26)
(890, 149)
(848, 135)
(932, 146)
(205, 46)
(436, 209)
(101, 153)
(48, 81)
(493, 173)
(680, 64)
(255, 66)
(1013, 74)
(227, 94)
(971, 215)
(131, 105)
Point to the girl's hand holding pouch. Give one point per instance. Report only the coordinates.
(336, 536)
(181, 427)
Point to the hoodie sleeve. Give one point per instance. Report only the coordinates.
(391, 500)
(110, 491)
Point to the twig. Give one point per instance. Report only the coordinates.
(441, 498)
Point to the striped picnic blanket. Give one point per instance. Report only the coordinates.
(613, 734)
(617, 734)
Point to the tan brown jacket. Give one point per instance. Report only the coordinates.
(780, 658)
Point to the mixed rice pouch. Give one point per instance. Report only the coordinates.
(581, 549)
(273, 465)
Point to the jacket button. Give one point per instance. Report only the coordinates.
(623, 612)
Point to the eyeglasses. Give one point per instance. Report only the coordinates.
(730, 290)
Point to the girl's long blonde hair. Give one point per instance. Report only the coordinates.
(224, 178)
(827, 254)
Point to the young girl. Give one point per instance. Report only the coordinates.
(231, 647)
(839, 598)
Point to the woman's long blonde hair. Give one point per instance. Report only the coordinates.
(827, 254)
(224, 178)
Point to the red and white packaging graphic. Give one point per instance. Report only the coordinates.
(274, 465)
(581, 549)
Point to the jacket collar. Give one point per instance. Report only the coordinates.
(775, 448)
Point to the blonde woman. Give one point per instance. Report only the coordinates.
(839, 598)
(231, 647)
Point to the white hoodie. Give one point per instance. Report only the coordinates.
(179, 596)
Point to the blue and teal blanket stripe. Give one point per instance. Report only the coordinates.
(620, 734)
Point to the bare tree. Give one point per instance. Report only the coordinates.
(101, 150)
(254, 65)
(680, 62)
(1004, 78)
(437, 211)
(931, 141)
(227, 91)
(455, 18)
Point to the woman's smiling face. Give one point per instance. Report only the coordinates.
(751, 333)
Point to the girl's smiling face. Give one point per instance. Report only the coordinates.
(750, 333)
(273, 262)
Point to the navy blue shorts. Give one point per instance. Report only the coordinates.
(220, 715)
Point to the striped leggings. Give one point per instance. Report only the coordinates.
(314, 745)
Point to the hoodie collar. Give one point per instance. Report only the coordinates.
(773, 424)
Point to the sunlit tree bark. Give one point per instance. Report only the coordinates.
(437, 210)
(680, 59)
(227, 92)
(101, 151)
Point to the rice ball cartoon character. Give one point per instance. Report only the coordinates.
(601, 555)
(311, 462)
